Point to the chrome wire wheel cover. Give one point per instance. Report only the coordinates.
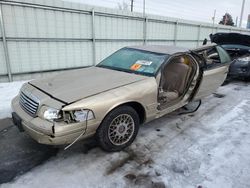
(121, 129)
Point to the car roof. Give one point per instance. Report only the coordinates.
(163, 49)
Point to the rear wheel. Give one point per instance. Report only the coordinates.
(118, 129)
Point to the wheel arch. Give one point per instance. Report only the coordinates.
(138, 107)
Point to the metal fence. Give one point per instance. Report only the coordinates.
(41, 36)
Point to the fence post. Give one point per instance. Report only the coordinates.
(176, 32)
(93, 37)
(198, 37)
(145, 30)
(5, 47)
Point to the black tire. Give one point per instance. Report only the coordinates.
(103, 131)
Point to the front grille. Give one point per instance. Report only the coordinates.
(28, 104)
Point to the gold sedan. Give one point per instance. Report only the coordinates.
(111, 100)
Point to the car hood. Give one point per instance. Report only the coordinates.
(230, 38)
(74, 85)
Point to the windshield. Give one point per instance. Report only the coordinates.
(134, 61)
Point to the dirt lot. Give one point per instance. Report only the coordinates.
(209, 148)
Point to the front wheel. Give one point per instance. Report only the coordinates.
(118, 129)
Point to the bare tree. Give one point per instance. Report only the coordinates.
(227, 20)
(123, 6)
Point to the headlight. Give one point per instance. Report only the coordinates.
(49, 113)
(246, 59)
(78, 115)
(73, 116)
(83, 115)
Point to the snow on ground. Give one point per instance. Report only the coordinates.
(209, 148)
(7, 92)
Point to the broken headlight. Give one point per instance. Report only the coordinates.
(78, 115)
(50, 114)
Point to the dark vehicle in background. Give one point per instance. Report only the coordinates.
(238, 47)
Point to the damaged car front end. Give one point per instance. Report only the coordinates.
(60, 110)
(45, 120)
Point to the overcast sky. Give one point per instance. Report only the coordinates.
(198, 10)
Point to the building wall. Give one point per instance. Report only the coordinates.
(40, 36)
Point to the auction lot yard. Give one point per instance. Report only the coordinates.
(209, 148)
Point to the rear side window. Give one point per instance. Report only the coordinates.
(224, 57)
